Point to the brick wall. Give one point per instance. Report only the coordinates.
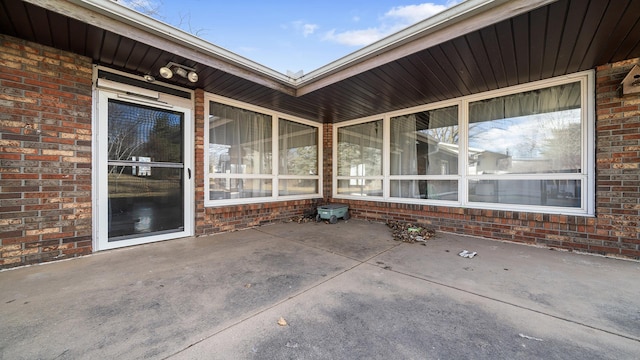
(614, 229)
(201, 227)
(618, 160)
(327, 154)
(45, 153)
(237, 217)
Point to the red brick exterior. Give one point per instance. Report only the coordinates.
(614, 229)
(45, 153)
(327, 154)
(199, 209)
(618, 162)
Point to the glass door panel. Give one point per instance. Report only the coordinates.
(143, 204)
(145, 170)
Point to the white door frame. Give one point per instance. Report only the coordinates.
(100, 208)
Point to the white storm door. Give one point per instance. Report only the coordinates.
(144, 172)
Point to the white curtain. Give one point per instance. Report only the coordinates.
(557, 98)
(404, 146)
(246, 135)
(404, 155)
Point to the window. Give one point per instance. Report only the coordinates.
(535, 135)
(298, 147)
(424, 152)
(360, 159)
(257, 155)
(528, 147)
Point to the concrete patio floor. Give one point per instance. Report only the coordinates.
(347, 291)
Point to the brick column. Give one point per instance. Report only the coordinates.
(201, 226)
(617, 161)
(327, 161)
(45, 153)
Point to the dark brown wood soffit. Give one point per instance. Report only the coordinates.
(564, 37)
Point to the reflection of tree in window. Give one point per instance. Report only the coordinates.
(140, 134)
(563, 145)
(298, 148)
(302, 160)
(538, 131)
(136, 130)
(165, 140)
(360, 145)
(125, 128)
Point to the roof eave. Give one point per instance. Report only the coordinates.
(121, 20)
(459, 20)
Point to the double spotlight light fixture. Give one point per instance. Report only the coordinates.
(184, 71)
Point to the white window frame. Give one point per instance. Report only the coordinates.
(586, 174)
(433, 106)
(274, 176)
(385, 159)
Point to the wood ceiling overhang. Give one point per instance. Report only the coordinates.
(558, 38)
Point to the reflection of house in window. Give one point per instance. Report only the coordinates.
(441, 157)
(444, 167)
(357, 170)
(531, 165)
(488, 162)
(141, 170)
(438, 157)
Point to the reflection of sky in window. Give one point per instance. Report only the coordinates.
(523, 136)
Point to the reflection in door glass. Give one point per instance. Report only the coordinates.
(142, 131)
(140, 205)
(145, 172)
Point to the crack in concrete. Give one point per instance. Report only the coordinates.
(388, 268)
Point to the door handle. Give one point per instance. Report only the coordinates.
(189, 172)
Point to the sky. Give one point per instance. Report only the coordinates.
(291, 35)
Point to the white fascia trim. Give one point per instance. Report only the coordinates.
(141, 21)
